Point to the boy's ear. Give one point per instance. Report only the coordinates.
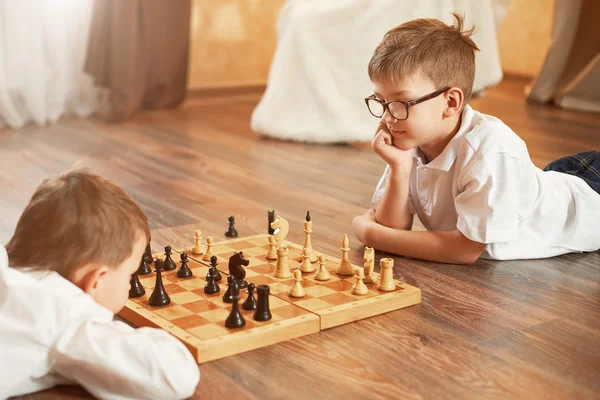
(89, 278)
(454, 101)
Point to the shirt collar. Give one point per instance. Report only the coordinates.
(444, 161)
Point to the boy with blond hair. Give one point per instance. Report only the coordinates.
(467, 176)
(63, 276)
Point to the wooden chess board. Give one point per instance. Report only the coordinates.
(198, 319)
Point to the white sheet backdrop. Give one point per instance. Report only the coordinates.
(318, 78)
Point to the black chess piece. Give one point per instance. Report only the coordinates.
(148, 254)
(159, 296)
(216, 274)
(135, 287)
(250, 302)
(168, 264)
(236, 261)
(211, 286)
(184, 271)
(262, 313)
(144, 268)
(308, 216)
(235, 318)
(271, 217)
(231, 232)
(228, 297)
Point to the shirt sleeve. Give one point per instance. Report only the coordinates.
(114, 361)
(488, 201)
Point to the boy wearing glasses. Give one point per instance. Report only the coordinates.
(466, 175)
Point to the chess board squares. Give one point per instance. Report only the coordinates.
(185, 297)
(242, 246)
(260, 279)
(172, 312)
(258, 242)
(200, 306)
(192, 284)
(190, 321)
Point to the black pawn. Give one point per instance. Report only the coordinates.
(135, 287)
(148, 254)
(211, 286)
(144, 268)
(169, 264)
(235, 318)
(228, 297)
(184, 271)
(271, 218)
(216, 274)
(250, 302)
(231, 232)
(262, 313)
(159, 296)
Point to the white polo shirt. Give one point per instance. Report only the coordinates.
(52, 333)
(485, 184)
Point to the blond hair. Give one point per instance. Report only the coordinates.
(75, 220)
(444, 54)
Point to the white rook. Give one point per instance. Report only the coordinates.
(386, 279)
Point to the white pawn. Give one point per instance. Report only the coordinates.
(322, 273)
(198, 248)
(272, 254)
(209, 252)
(359, 287)
(306, 266)
(297, 290)
(345, 268)
(283, 267)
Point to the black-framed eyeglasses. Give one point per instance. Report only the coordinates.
(397, 108)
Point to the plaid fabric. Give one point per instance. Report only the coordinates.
(584, 165)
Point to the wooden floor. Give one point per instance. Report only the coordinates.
(519, 329)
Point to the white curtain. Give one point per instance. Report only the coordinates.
(570, 76)
(318, 77)
(43, 45)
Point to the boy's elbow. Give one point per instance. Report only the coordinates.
(465, 250)
(471, 255)
(187, 381)
(184, 379)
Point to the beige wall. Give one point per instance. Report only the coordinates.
(525, 35)
(233, 41)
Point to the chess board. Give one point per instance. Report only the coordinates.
(198, 319)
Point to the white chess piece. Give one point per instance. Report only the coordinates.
(283, 267)
(198, 248)
(306, 266)
(209, 252)
(307, 239)
(369, 264)
(386, 277)
(345, 268)
(322, 273)
(359, 287)
(272, 253)
(281, 227)
(297, 290)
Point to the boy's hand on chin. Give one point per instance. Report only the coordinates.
(362, 224)
(383, 145)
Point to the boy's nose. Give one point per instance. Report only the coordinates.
(387, 117)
